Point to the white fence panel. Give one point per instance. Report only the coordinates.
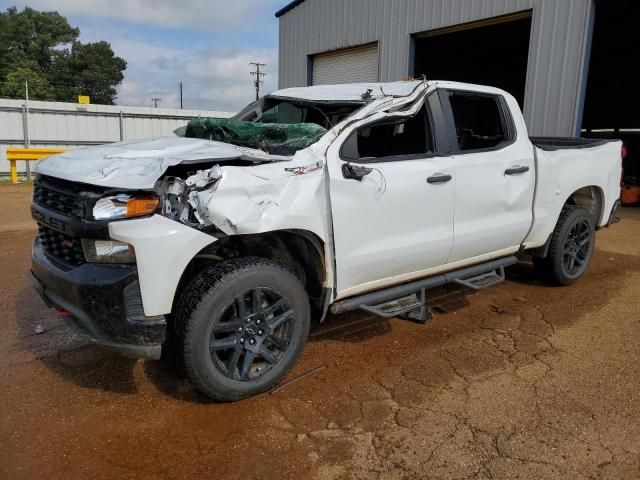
(70, 125)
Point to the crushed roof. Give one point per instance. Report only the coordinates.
(349, 92)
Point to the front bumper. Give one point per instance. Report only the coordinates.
(104, 304)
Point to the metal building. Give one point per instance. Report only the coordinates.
(539, 50)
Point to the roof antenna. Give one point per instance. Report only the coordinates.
(367, 95)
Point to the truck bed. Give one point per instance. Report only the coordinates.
(560, 143)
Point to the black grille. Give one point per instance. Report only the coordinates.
(59, 196)
(60, 247)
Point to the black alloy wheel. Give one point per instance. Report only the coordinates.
(252, 335)
(571, 246)
(575, 253)
(240, 326)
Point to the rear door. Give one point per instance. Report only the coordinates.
(495, 175)
(392, 200)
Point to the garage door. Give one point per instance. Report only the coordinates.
(346, 66)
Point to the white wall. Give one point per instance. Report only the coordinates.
(70, 125)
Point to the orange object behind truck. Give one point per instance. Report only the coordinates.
(630, 195)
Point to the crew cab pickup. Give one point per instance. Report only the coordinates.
(218, 249)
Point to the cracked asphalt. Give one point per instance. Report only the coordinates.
(520, 381)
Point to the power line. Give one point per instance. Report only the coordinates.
(257, 74)
(155, 101)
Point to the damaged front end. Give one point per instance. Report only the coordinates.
(247, 198)
(185, 200)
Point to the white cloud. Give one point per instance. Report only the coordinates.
(217, 80)
(215, 72)
(201, 14)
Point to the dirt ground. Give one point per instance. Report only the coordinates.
(518, 381)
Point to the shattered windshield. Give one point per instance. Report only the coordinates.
(274, 138)
(275, 126)
(325, 114)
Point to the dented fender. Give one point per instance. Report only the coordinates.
(267, 197)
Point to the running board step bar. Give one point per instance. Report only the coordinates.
(384, 302)
(412, 307)
(483, 280)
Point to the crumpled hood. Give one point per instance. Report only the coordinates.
(137, 164)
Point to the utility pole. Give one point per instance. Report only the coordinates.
(258, 76)
(155, 101)
(180, 94)
(27, 140)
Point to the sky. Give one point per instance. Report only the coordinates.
(206, 44)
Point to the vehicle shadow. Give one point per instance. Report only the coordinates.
(524, 273)
(350, 327)
(359, 326)
(171, 381)
(91, 367)
(66, 354)
(78, 361)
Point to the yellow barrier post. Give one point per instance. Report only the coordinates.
(28, 155)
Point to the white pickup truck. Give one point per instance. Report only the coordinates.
(219, 244)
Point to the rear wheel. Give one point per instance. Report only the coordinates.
(571, 247)
(244, 324)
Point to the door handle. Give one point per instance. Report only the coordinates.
(439, 178)
(516, 170)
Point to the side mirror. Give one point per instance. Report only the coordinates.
(355, 172)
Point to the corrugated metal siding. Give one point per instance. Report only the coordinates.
(359, 64)
(556, 53)
(67, 125)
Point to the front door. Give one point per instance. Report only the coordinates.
(392, 202)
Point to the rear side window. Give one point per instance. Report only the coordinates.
(479, 121)
(400, 138)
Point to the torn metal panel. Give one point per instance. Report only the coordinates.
(269, 197)
(184, 199)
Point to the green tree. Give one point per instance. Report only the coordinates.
(14, 84)
(96, 71)
(42, 47)
(32, 35)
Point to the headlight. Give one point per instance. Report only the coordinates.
(107, 251)
(124, 206)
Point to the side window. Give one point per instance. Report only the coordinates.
(392, 138)
(479, 121)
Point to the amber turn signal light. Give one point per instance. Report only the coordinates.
(137, 207)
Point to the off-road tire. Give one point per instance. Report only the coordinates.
(208, 297)
(553, 268)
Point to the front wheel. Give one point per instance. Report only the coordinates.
(244, 323)
(571, 247)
